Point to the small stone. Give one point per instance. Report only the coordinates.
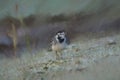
(45, 68)
(76, 50)
(80, 69)
(31, 67)
(111, 42)
(77, 62)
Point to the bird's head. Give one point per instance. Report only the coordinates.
(60, 36)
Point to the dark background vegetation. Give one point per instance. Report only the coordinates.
(34, 31)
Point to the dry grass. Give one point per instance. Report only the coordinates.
(78, 56)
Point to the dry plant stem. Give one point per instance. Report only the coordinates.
(14, 38)
(17, 6)
(27, 37)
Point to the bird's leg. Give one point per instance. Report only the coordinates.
(57, 55)
(61, 56)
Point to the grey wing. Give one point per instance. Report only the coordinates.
(54, 41)
(67, 40)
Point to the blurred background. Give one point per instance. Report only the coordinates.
(28, 26)
(33, 23)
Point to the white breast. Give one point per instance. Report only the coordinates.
(58, 46)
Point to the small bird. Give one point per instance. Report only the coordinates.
(59, 43)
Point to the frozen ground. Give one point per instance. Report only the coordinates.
(85, 59)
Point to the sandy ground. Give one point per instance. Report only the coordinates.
(101, 61)
(85, 59)
(94, 52)
(105, 69)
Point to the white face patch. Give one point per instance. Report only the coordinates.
(56, 37)
(62, 35)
